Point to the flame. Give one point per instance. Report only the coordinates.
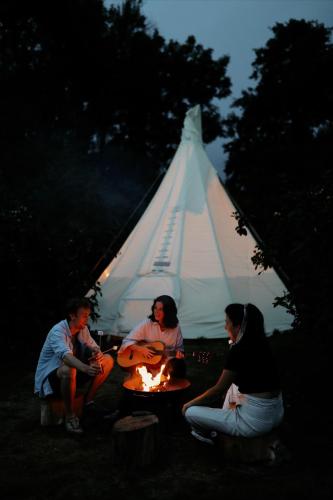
(150, 382)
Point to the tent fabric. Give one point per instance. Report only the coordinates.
(185, 245)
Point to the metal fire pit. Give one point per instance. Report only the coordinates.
(166, 403)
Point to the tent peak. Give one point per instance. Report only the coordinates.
(186, 245)
(192, 130)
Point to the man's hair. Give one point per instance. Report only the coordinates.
(74, 304)
(169, 309)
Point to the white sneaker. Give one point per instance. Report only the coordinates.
(72, 424)
(202, 438)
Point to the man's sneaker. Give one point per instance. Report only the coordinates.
(72, 425)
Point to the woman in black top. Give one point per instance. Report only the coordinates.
(253, 402)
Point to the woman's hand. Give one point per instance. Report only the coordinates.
(180, 355)
(147, 352)
(226, 379)
(186, 406)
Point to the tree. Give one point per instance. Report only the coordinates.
(145, 86)
(92, 105)
(279, 168)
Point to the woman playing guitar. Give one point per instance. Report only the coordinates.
(156, 338)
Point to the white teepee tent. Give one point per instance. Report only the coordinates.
(185, 245)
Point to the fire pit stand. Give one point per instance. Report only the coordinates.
(166, 404)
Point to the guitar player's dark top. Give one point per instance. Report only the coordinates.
(150, 331)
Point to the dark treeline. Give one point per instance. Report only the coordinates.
(92, 103)
(280, 165)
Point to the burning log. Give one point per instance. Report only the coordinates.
(135, 441)
(144, 380)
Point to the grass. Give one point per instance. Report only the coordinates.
(39, 463)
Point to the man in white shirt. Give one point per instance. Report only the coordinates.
(60, 368)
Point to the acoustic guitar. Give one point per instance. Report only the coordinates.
(129, 358)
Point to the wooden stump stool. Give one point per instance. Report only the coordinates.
(135, 441)
(249, 450)
(52, 410)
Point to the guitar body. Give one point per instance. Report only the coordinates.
(129, 358)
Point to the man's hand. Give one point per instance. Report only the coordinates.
(93, 370)
(97, 355)
(95, 362)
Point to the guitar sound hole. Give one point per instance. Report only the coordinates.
(131, 355)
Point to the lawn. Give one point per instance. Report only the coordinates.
(46, 463)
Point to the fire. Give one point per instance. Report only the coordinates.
(150, 382)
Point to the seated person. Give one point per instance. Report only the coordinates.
(60, 369)
(249, 381)
(162, 325)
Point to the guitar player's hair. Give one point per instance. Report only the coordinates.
(169, 309)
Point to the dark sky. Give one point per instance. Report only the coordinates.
(233, 27)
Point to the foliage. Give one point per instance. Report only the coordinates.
(279, 168)
(92, 102)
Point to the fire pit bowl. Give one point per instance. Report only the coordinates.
(166, 403)
(171, 386)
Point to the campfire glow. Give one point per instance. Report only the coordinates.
(150, 382)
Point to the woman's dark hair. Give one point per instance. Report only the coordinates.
(169, 309)
(74, 304)
(255, 328)
(235, 313)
